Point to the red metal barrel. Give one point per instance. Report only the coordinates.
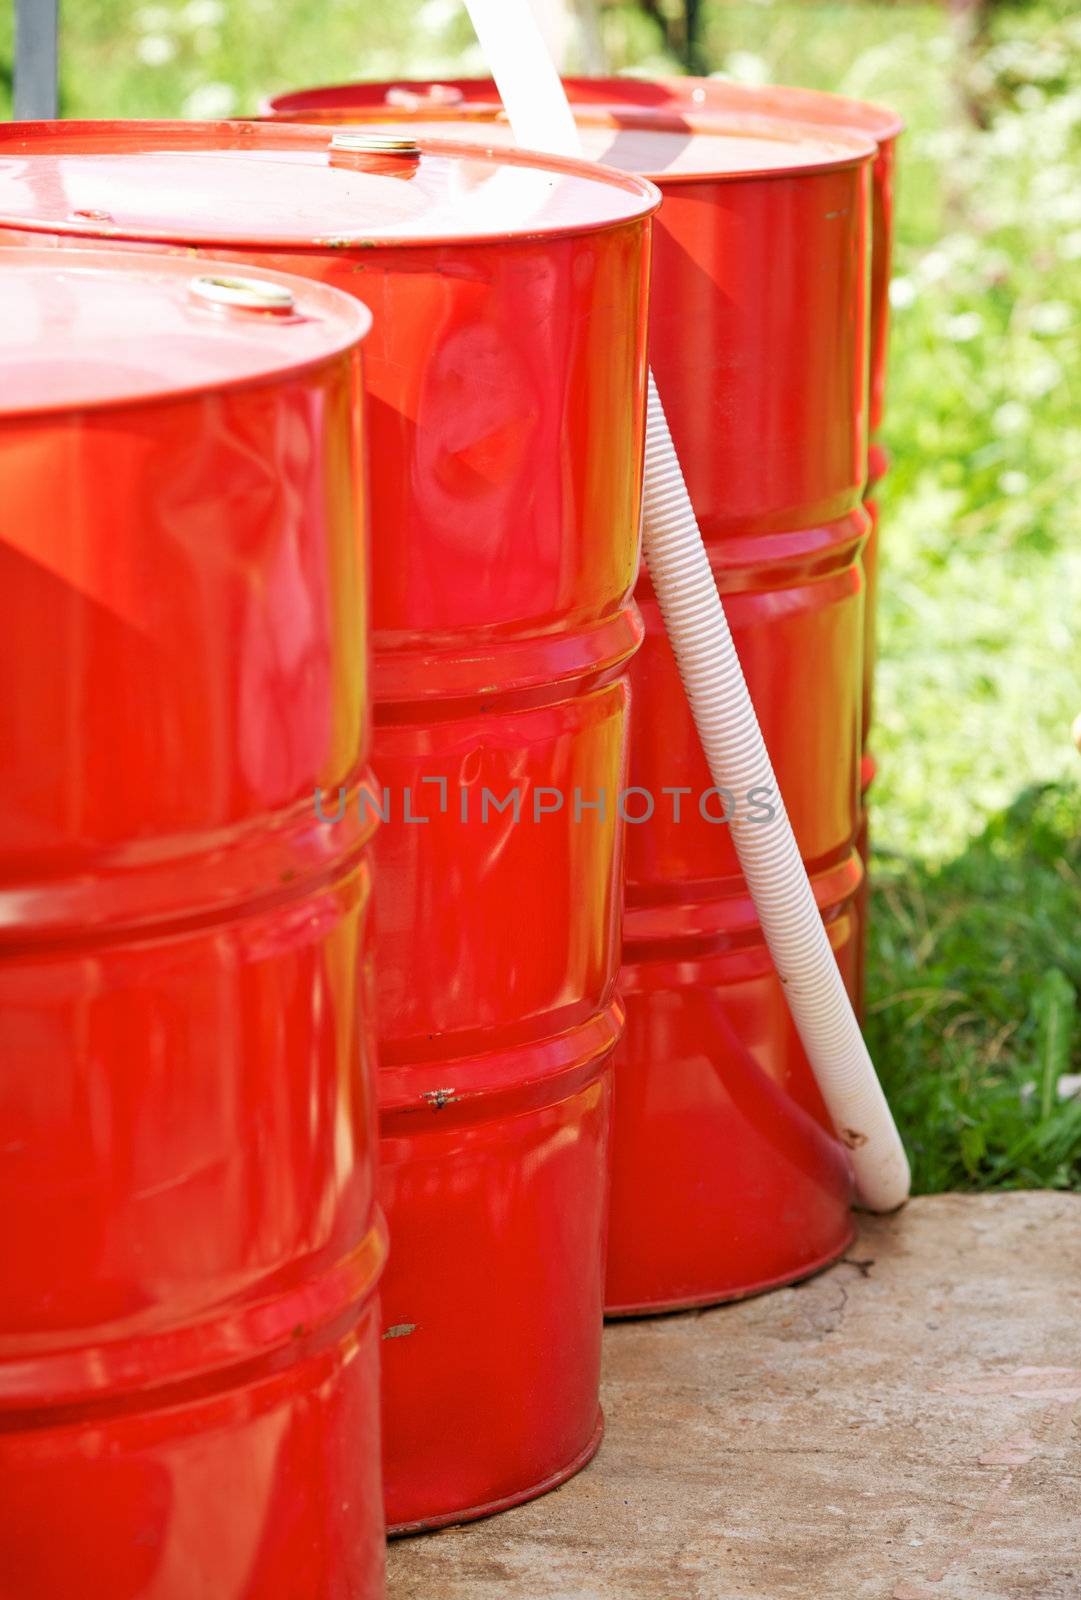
(726, 1175)
(505, 379)
(884, 126)
(698, 95)
(188, 1327)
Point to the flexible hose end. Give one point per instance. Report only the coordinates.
(883, 1177)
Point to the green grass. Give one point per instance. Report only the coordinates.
(205, 58)
(976, 966)
(975, 959)
(976, 949)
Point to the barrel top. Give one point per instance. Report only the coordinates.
(84, 329)
(267, 184)
(668, 146)
(813, 106)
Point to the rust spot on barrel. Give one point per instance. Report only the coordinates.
(438, 1098)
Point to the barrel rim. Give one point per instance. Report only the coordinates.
(828, 150)
(881, 122)
(21, 139)
(345, 320)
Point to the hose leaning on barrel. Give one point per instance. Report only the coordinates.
(701, 640)
(768, 854)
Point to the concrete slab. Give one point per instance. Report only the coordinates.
(907, 1426)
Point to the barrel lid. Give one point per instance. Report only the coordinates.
(664, 146)
(813, 106)
(85, 328)
(278, 184)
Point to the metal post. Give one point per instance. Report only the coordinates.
(36, 58)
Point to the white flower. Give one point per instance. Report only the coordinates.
(935, 265)
(154, 50)
(902, 293)
(1051, 316)
(437, 14)
(1064, 207)
(745, 67)
(204, 13)
(1040, 376)
(154, 19)
(1011, 417)
(965, 326)
(1013, 482)
(210, 101)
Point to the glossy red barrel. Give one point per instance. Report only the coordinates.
(698, 96)
(504, 379)
(421, 97)
(191, 1247)
(726, 1175)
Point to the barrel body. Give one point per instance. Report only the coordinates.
(188, 1327)
(757, 340)
(505, 403)
(834, 111)
(505, 399)
(505, 407)
(884, 126)
(696, 96)
(726, 1176)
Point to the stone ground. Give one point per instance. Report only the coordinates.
(906, 1426)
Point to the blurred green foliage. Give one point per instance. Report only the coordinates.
(976, 949)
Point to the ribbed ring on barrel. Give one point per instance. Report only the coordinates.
(125, 1361)
(166, 885)
(500, 1083)
(764, 563)
(726, 920)
(487, 666)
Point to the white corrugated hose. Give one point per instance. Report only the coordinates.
(735, 751)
